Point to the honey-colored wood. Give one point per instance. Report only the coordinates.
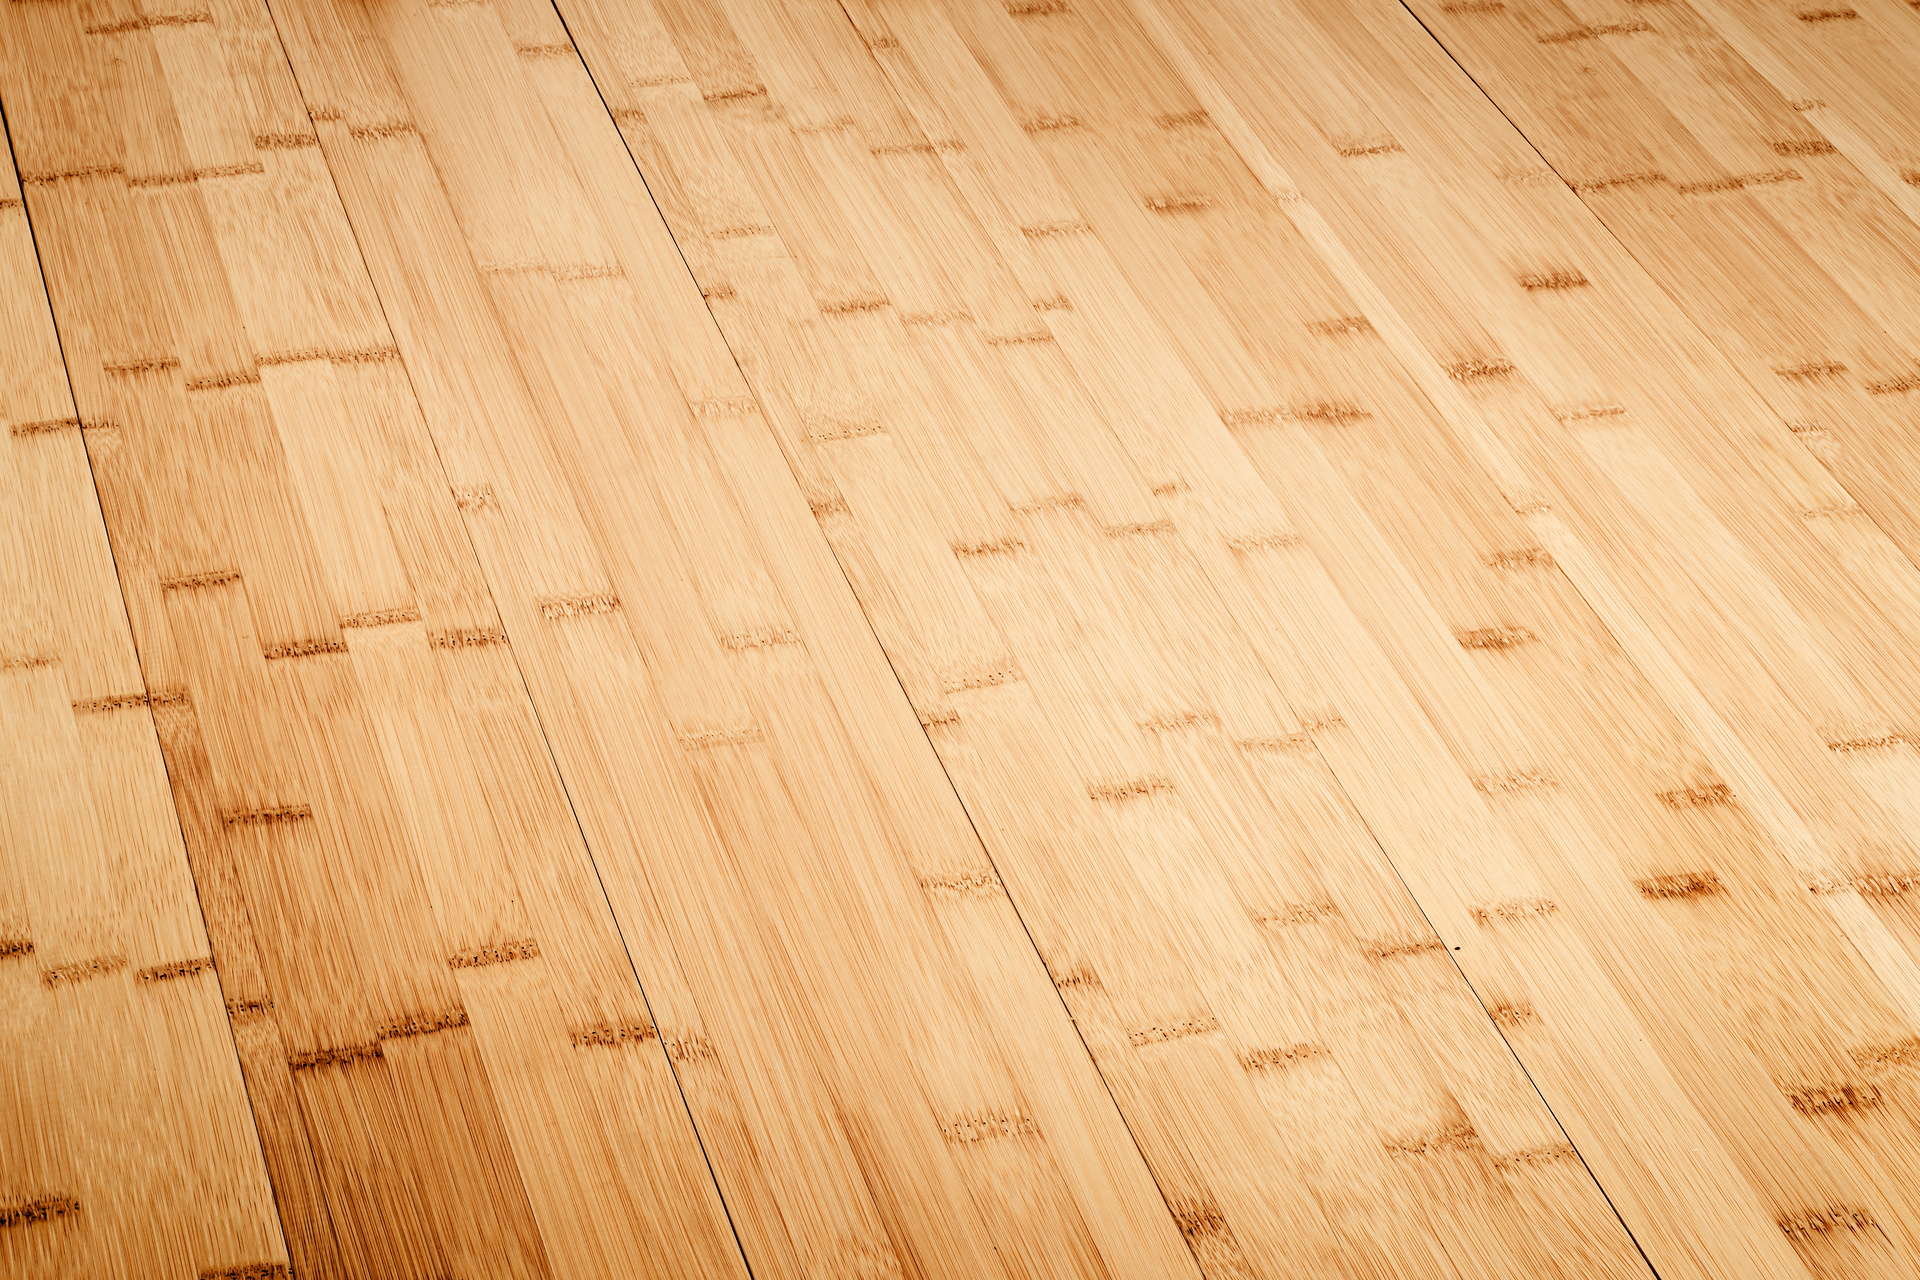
(960, 637)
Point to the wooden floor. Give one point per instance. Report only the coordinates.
(936, 639)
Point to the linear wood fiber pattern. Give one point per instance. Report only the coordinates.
(961, 637)
(125, 1144)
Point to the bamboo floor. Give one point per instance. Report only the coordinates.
(941, 639)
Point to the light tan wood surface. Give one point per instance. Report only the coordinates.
(959, 638)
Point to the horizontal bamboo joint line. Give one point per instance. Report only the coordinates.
(422, 1024)
(249, 1271)
(176, 969)
(612, 1036)
(1182, 1030)
(966, 1130)
(1685, 884)
(82, 970)
(1634, 26)
(269, 816)
(18, 1213)
(495, 953)
(1280, 1059)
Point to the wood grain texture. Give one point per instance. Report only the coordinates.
(965, 637)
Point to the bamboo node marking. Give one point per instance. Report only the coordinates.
(692, 1047)
(382, 131)
(1473, 6)
(45, 427)
(1130, 788)
(303, 649)
(708, 739)
(611, 1036)
(1181, 1030)
(1825, 15)
(733, 95)
(951, 316)
(1686, 884)
(1513, 911)
(1036, 8)
(268, 817)
(1522, 558)
(1880, 884)
(720, 405)
(11, 947)
(1866, 742)
(1550, 280)
(1478, 370)
(1818, 1222)
(168, 698)
(1534, 1156)
(1886, 1057)
(1005, 546)
(342, 1056)
(1058, 302)
(1806, 104)
(1295, 913)
(558, 608)
(1397, 948)
(759, 638)
(1047, 230)
(1280, 1059)
(494, 953)
(1646, 178)
(1291, 744)
(1700, 797)
(192, 581)
(1018, 339)
(962, 884)
(1079, 978)
(72, 175)
(1453, 1137)
(1812, 369)
(984, 676)
(421, 1024)
(1050, 124)
(82, 970)
(1803, 147)
(824, 507)
(242, 1009)
(26, 662)
(39, 1209)
(472, 639)
(1508, 1014)
(543, 50)
(1137, 529)
(1632, 27)
(1515, 780)
(853, 304)
(1896, 385)
(381, 617)
(151, 22)
(249, 1271)
(1167, 488)
(177, 969)
(1833, 1098)
(143, 364)
(285, 141)
(981, 1128)
(1352, 148)
(1182, 119)
(1174, 721)
(939, 718)
(1339, 326)
(1585, 412)
(1179, 202)
(1495, 638)
(1200, 1220)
